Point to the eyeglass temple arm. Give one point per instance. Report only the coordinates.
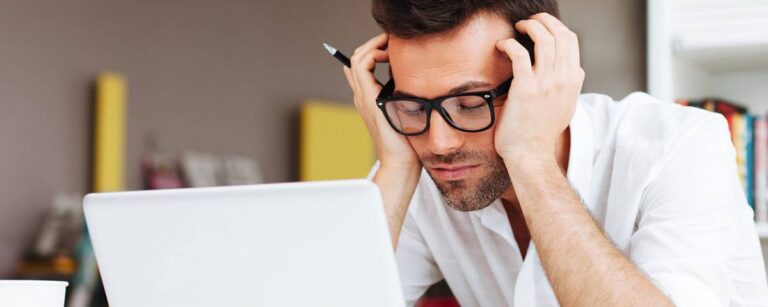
(504, 87)
(386, 91)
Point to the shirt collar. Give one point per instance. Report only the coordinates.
(580, 159)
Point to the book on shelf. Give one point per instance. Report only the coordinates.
(761, 164)
(749, 133)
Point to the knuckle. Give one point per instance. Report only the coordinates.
(512, 45)
(357, 63)
(571, 80)
(559, 82)
(573, 35)
(529, 92)
(580, 74)
(505, 44)
(520, 54)
(356, 55)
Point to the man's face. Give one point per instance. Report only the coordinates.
(464, 165)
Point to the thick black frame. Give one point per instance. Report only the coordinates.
(385, 96)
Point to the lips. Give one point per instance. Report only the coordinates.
(452, 172)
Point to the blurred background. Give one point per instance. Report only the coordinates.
(227, 92)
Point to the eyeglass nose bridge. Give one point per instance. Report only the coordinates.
(437, 105)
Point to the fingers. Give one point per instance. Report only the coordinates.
(364, 61)
(360, 76)
(350, 79)
(370, 57)
(359, 57)
(543, 44)
(366, 56)
(521, 60)
(355, 87)
(379, 41)
(566, 42)
(381, 56)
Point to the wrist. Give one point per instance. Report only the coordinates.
(401, 167)
(399, 173)
(525, 148)
(526, 163)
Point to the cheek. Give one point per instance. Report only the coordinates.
(482, 141)
(419, 144)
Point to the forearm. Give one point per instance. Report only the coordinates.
(583, 266)
(397, 185)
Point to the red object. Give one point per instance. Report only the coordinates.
(437, 302)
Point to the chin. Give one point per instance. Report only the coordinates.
(469, 195)
(478, 188)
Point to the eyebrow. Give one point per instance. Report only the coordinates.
(463, 88)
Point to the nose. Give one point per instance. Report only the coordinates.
(442, 138)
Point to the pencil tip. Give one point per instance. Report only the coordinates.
(329, 48)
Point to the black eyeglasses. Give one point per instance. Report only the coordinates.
(468, 112)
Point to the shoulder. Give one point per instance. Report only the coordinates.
(640, 121)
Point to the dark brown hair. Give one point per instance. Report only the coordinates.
(415, 18)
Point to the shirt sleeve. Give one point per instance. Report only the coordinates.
(695, 237)
(415, 263)
(373, 171)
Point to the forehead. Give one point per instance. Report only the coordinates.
(430, 66)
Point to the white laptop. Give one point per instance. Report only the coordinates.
(291, 244)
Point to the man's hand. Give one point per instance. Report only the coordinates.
(392, 148)
(399, 167)
(542, 97)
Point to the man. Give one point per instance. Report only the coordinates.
(526, 193)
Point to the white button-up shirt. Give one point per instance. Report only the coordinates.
(659, 178)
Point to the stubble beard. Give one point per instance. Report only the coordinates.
(466, 195)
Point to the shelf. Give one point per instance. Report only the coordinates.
(724, 55)
(720, 35)
(700, 48)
